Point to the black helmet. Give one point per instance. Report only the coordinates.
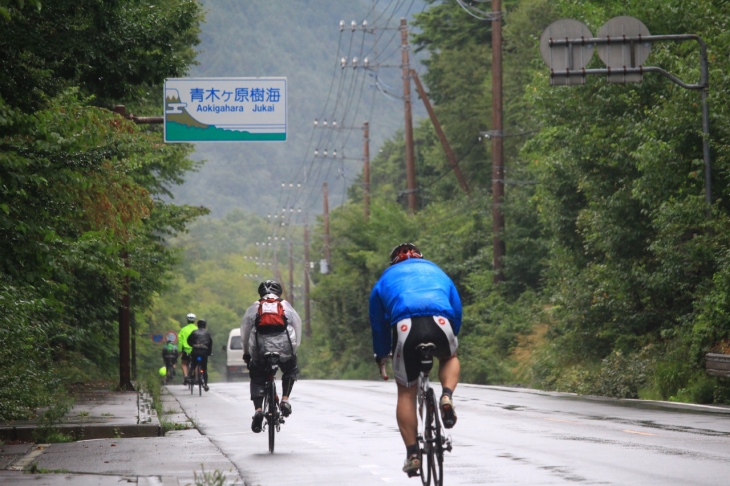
(404, 251)
(270, 287)
(202, 323)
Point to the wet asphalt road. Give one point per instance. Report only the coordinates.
(344, 432)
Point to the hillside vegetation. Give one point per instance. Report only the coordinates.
(616, 281)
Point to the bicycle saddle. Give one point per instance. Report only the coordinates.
(426, 350)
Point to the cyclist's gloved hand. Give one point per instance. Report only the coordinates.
(381, 361)
(247, 358)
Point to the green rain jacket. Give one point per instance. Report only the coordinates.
(182, 337)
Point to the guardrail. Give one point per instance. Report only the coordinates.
(717, 364)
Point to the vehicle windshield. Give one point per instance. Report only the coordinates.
(236, 342)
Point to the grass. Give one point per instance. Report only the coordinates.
(214, 478)
(107, 414)
(34, 469)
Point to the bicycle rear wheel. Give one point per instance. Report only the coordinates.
(199, 380)
(191, 379)
(436, 450)
(271, 416)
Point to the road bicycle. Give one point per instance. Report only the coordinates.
(195, 376)
(272, 413)
(431, 438)
(169, 372)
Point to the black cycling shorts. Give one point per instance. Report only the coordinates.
(409, 333)
(184, 357)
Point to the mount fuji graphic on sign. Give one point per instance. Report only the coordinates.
(225, 109)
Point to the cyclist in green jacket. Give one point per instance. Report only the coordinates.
(182, 338)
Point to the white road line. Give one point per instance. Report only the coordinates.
(28, 459)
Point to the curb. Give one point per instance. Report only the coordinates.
(622, 402)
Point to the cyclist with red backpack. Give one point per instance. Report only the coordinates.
(270, 325)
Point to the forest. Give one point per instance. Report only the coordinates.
(616, 280)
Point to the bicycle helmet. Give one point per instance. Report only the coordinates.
(270, 287)
(191, 318)
(404, 251)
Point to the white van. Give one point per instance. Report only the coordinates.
(235, 366)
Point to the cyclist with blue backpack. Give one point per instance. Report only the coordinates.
(414, 302)
(270, 325)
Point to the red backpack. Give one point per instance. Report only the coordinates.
(271, 317)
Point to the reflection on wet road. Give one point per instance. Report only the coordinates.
(344, 432)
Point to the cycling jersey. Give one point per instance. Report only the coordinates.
(183, 335)
(411, 288)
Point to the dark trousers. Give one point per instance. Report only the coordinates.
(258, 372)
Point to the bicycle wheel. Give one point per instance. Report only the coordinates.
(271, 416)
(169, 374)
(191, 379)
(199, 380)
(436, 451)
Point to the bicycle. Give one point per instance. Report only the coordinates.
(272, 414)
(169, 372)
(195, 376)
(431, 438)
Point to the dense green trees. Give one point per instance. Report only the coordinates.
(616, 281)
(79, 185)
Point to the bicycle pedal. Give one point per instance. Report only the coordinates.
(282, 421)
(413, 474)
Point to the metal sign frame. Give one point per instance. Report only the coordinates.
(703, 85)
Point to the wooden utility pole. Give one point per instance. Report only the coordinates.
(307, 315)
(125, 319)
(326, 216)
(366, 168)
(291, 274)
(125, 382)
(498, 246)
(410, 160)
(440, 132)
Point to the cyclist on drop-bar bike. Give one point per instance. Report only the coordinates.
(182, 338)
(201, 344)
(169, 356)
(415, 302)
(270, 325)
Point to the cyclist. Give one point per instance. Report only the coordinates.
(170, 354)
(270, 325)
(415, 302)
(182, 338)
(201, 344)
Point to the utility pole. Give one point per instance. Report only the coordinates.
(410, 161)
(326, 225)
(307, 315)
(125, 382)
(439, 132)
(291, 274)
(366, 168)
(125, 319)
(498, 246)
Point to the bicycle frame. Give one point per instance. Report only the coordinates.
(272, 415)
(431, 438)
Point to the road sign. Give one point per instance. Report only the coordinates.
(566, 58)
(157, 337)
(171, 334)
(225, 109)
(631, 54)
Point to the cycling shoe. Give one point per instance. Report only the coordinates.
(285, 409)
(412, 466)
(258, 419)
(448, 414)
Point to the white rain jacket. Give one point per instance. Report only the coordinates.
(256, 345)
